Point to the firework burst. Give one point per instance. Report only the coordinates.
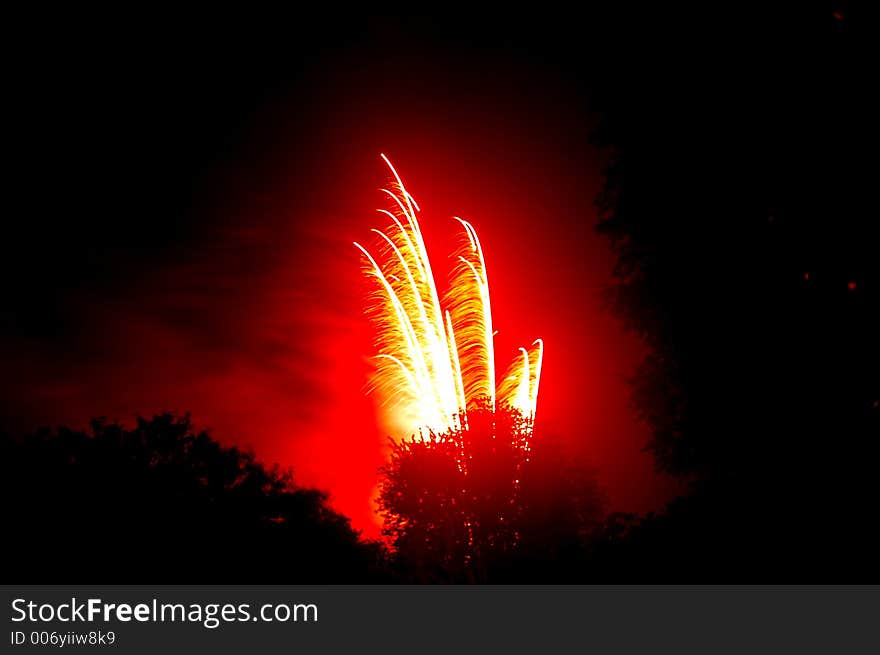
(436, 356)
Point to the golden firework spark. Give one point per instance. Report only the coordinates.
(436, 359)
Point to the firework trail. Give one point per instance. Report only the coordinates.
(436, 357)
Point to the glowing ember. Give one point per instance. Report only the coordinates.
(437, 358)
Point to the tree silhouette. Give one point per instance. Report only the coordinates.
(164, 502)
(473, 504)
(746, 261)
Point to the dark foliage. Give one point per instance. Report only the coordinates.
(165, 503)
(487, 504)
(738, 203)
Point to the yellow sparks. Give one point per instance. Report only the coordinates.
(436, 360)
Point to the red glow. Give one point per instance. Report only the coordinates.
(259, 331)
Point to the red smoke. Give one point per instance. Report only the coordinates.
(258, 330)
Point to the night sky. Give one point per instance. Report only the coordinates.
(186, 193)
(186, 244)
